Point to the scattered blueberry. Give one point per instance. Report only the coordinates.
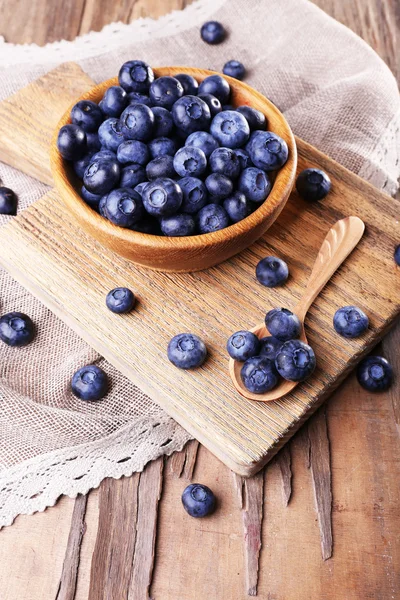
(350, 321)
(89, 383)
(283, 324)
(198, 500)
(230, 129)
(178, 225)
(132, 175)
(162, 197)
(110, 134)
(87, 115)
(243, 345)
(234, 68)
(212, 218)
(397, 255)
(268, 151)
(236, 206)
(16, 329)
(213, 32)
(375, 374)
(225, 161)
(101, 176)
(71, 142)
(212, 102)
(120, 300)
(136, 76)
(219, 187)
(189, 84)
(124, 207)
(137, 122)
(194, 194)
(8, 202)
(133, 151)
(191, 113)
(255, 184)
(259, 375)
(162, 146)
(163, 166)
(313, 184)
(269, 347)
(114, 101)
(272, 271)
(295, 360)
(216, 86)
(255, 118)
(190, 161)
(202, 140)
(163, 122)
(165, 91)
(187, 351)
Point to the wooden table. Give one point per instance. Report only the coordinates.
(342, 468)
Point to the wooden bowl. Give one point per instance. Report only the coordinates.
(191, 253)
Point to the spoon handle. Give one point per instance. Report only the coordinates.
(341, 239)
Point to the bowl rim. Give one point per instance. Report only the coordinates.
(284, 177)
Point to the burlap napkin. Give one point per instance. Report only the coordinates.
(336, 94)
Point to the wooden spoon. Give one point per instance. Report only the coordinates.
(341, 239)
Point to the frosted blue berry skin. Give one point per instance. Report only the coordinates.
(212, 218)
(213, 32)
(93, 142)
(236, 206)
(397, 255)
(269, 347)
(178, 225)
(162, 146)
(114, 101)
(283, 324)
(124, 207)
(137, 122)
(71, 142)
(375, 374)
(186, 351)
(272, 271)
(120, 300)
(163, 122)
(295, 360)
(91, 200)
(81, 165)
(110, 134)
(162, 197)
(350, 321)
(198, 500)
(268, 151)
(243, 345)
(140, 187)
(219, 187)
(259, 375)
(255, 184)
(230, 129)
(104, 153)
(202, 140)
(225, 161)
(191, 113)
(132, 175)
(212, 102)
(190, 161)
(255, 118)
(87, 115)
(8, 201)
(138, 98)
(162, 166)
(101, 176)
(189, 84)
(244, 158)
(133, 151)
(313, 184)
(16, 329)
(216, 86)
(135, 76)
(165, 91)
(89, 383)
(234, 68)
(195, 194)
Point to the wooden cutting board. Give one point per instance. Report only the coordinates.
(70, 273)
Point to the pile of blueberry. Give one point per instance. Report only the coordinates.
(168, 156)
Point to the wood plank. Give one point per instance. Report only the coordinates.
(283, 460)
(252, 513)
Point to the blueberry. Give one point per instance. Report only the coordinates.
(375, 374)
(138, 98)
(202, 140)
(132, 175)
(71, 142)
(91, 199)
(190, 161)
(236, 206)
(269, 347)
(178, 225)
(162, 197)
(397, 255)
(93, 142)
(162, 146)
(140, 187)
(234, 68)
(255, 184)
(163, 122)
(225, 161)
(283, 324)
(87, 115)
(230, 129)
(218, 186)
(163, 166)
(268, 151)
(255, 118)
(89, 383)
(244, 158)
(190, 114)
(104, 153)
(313, 184)
(124, 207)
(213, 32)
(198, 500)
(81, 165)
(189, 84)
(101, 176)
(212, 218)
(350, 321)
(187, 351)
(243, 345)
(259, 374)
(194, 194)
(137, 122)
(253, 136)
(295, 360)
(165, 91)
(110, 134)
(272, 271)
(102, 206)
(16, 329)
(133, 151)
(216, 86)
(114, 101)
(136, 76)
(8, 202)
(120, 300)
(212, 102)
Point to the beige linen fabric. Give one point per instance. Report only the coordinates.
(336, 93)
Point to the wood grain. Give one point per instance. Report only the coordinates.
(252, 512)
(283, 460)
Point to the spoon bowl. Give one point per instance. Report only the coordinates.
(341, 239)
